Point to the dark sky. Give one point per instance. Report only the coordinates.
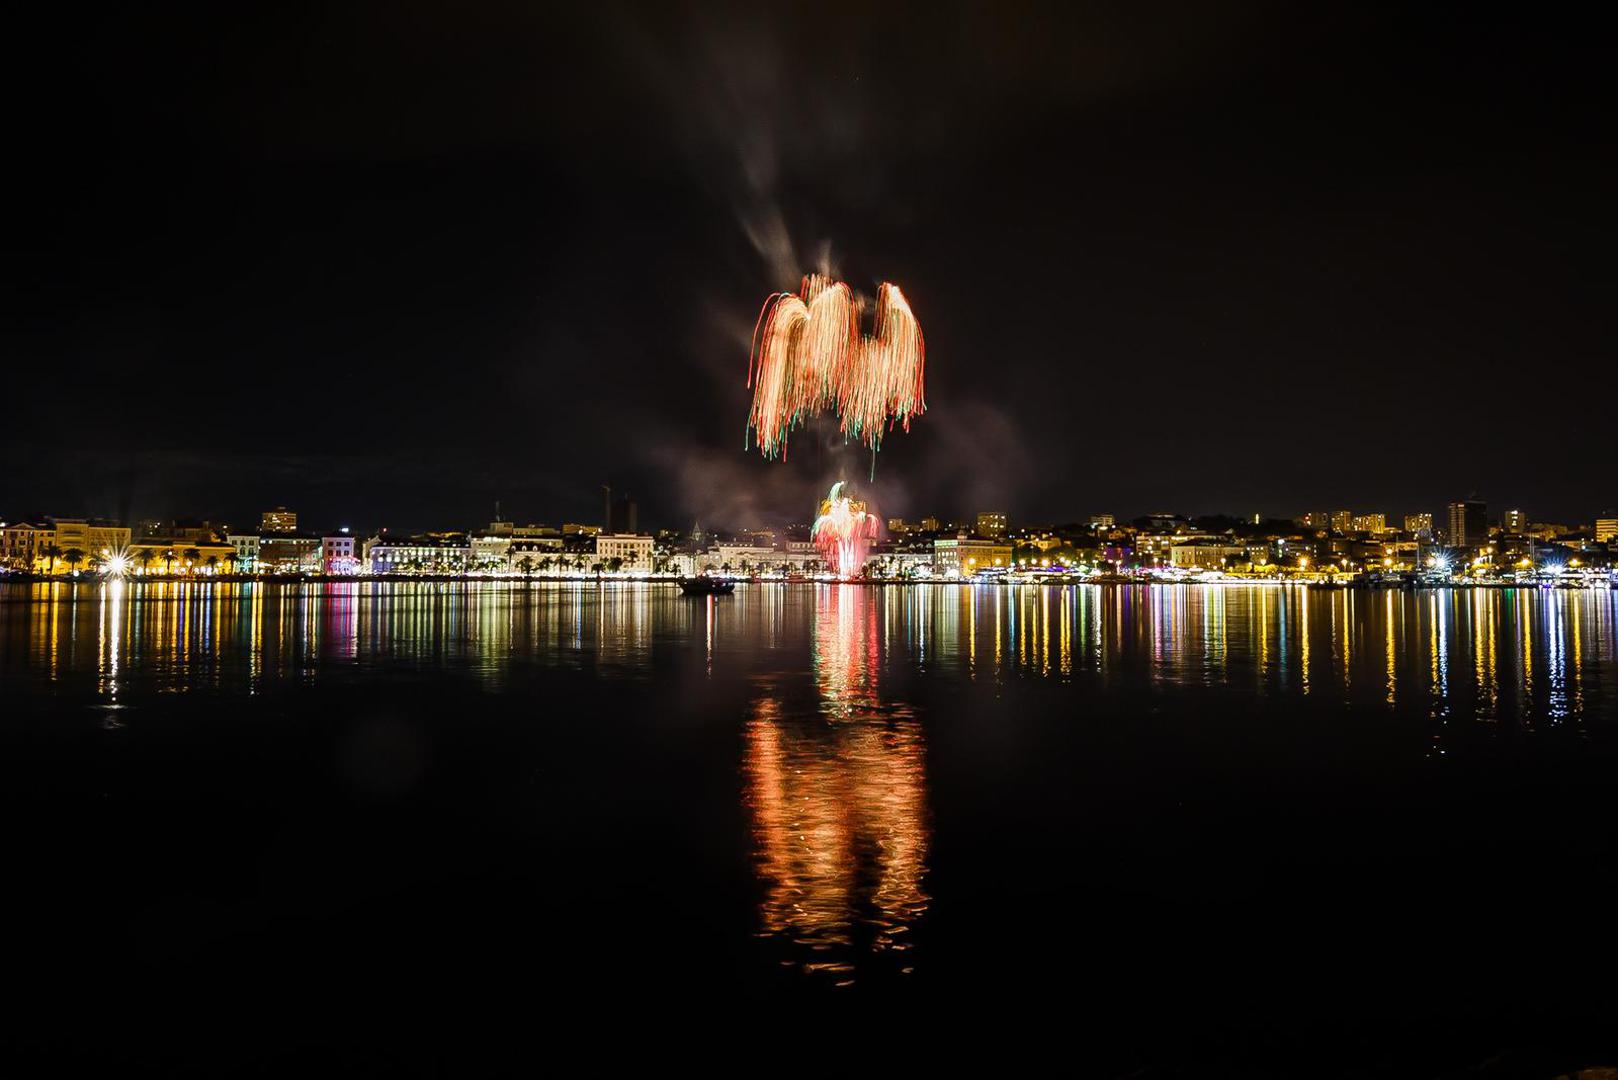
(388, 264)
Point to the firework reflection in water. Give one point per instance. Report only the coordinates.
(839, 806)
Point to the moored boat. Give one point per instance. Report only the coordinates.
(706, 586)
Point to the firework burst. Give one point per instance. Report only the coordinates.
(809, 357)
(843, 532)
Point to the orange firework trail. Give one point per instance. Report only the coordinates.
(843, 532)
(809, 357)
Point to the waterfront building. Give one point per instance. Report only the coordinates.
(279, 520)
(1207, 554)
(744, 558)
(20, 543)
(492, 550)
(167, 555)
(337, 554)
(1468, 523)
(900, 564)
(539, 552)
(966, 555)
(991, 525)
(28, 546)
(289, 553)
(635, 551)
(415, 555)
(245, 546)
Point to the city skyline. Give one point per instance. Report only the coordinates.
(621, 516)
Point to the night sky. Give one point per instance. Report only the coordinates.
(388, 264)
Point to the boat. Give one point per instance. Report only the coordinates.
(706, 586)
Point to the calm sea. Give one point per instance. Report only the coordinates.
(1306, 817)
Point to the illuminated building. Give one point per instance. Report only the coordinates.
(1207, 555)
(166, 555)
(1342, 521)
(246, 547)
(1316, 519)
(286, 553)
(414, 555)
(897, 525)
(542, 552)
(279, 520)
(574, 529)
(1419, 524)
(1372, 523)
(1102, 521)
(992, 525)
(633, 549)
(19, 541)
(337, 554)
(744, 558)
(930, 524)
(966, 555)
(1515, 522)
(1468, 524)
(1606, 529)
(28, 546)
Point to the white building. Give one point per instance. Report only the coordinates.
(744, 558)
(337, 554)
(246, 547)
(966, 555)
(1207, 555)
(633, 549)
(492, 550)
(413, 555)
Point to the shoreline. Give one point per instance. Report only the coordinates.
(628, 579)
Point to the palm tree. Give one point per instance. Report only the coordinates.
(145, 556)
(230, 563)
(168, 560)
(213, 563)
(545, 564)
(578, 562)
(51, 552)
(526, 565)
(73, 557)
(192, 555)
(596, 568)
(615, 564)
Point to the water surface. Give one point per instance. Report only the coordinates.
(1383, 802)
